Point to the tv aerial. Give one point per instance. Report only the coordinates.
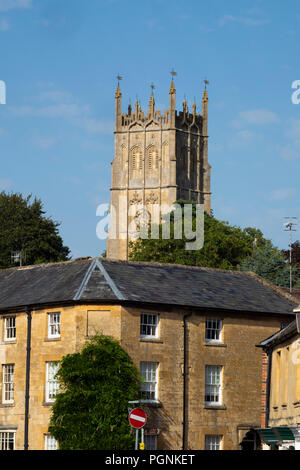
(289, 227)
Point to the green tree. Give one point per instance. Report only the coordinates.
(225, 246)
(24, 227)
(295, 253)
(91, 410)
(271, 264)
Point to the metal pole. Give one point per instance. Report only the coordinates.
(27, 384)
(290, 262)
(136, 439)
(142, 435)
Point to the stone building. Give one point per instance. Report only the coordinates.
(281, 388)
(159, 158)
(191, 332)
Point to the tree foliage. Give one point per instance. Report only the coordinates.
(270, 263)
(91, 410)
(225, 246)
(295, 254)
(24, 226)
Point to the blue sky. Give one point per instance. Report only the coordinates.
(59, 60)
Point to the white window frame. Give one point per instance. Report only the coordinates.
(8, 328)
(149, 370)
(213, 384)
(52, 384)
(6, 439)
(54, 321)
(8, 383)
(149, 323)
(213, 442)
(50, 442)
(215, 327)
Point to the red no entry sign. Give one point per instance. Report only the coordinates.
(137, 418)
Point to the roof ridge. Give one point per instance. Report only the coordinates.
(176, 265)
(278, 289)
(51, 263)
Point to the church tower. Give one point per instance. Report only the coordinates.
(159, 158)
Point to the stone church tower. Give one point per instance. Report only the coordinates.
(159, 158)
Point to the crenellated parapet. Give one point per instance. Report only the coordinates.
(180, 119)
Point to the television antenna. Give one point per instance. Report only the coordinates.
(289, 227)
(18, 257)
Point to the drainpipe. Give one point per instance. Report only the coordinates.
(185, 373)
(268, 387)
(27, 384)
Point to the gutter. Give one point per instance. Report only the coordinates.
(268, 388)
(269, 351)
(27, 383)
(185, 373)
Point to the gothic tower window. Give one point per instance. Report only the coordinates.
(193, 169)
(124, 154)
(165, 154)
(136, 159)
(152, 158)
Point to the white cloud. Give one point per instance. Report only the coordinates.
(95, 126)
(259, 116)
(51, 111)
(294, 132)
(56, 96)
(5, 184)
(205, 29)
(255, 116)
(73, 179)
(6, 5)
(43, 143)
(242, 138)
(289, 153)
(246, 20)
(282, 194)
(53, 103)
(4, 24)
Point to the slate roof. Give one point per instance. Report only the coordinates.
(96, 279)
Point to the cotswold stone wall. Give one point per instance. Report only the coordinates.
(241, 361)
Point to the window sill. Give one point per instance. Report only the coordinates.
(52, 339)
(151, 403)
(7, 405)
(275, 408)
(150, 340)
(48, 403)
(296, 404)
(216, 344)
(215, 407)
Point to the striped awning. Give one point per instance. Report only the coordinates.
(272, 436)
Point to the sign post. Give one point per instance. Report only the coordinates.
(138, 419)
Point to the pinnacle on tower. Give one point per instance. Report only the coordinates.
(152, 101)
(205, 97)
(137, 108)
(172, 88)
(194, 107)
(118, 93)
